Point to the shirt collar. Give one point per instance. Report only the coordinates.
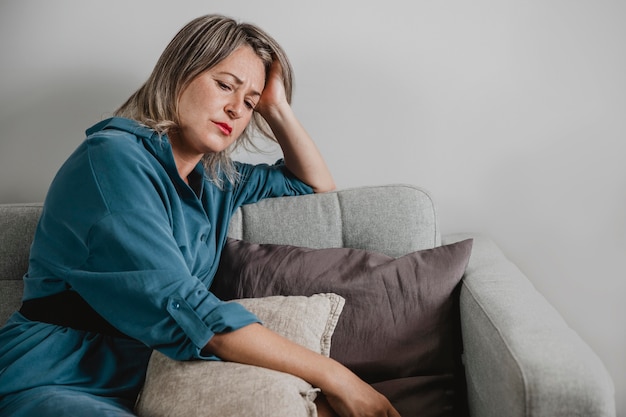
(157, 144)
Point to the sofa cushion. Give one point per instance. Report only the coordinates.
(400, 327)
(221, 389)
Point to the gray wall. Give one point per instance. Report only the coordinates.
(512, 114)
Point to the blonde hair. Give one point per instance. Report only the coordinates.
(197, 47)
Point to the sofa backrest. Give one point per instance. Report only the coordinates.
(17, 227)
(392, 219)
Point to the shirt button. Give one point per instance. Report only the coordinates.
(202, 238)
(176, 305)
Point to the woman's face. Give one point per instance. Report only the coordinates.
(215, 108)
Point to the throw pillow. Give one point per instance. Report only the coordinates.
(400, 327)
(222, 389)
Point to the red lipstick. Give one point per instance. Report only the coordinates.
(224, 127)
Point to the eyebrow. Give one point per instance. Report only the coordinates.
(239, 81)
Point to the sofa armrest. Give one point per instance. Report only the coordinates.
(521, 358)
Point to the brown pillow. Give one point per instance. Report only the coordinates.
(400, 327)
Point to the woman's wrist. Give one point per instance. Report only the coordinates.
(334, 378)
(277, 114)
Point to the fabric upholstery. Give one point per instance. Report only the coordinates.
(17, 228)
(391, 220)
(518, 347)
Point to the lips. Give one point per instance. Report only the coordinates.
(224, 127)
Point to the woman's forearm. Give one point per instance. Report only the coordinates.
(256, 345)
(302, 156)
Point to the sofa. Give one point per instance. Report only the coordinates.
(519, 356)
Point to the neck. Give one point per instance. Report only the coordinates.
(185, 168)
(185, 162)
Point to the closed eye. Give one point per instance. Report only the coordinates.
(223, 85)
(229, 88)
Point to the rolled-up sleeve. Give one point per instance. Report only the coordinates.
(144, 288)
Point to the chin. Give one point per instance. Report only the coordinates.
(216, 146)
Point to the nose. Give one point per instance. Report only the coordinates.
(234, 109)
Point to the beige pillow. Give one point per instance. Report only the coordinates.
(222, 389)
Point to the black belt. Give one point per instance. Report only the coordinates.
(68, 309)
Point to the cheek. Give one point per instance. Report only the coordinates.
(242, 124)
(194, 102)
(185, 111)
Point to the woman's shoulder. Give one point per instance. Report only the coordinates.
(112, 165)
(120, 146)
(113, 138)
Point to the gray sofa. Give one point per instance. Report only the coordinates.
(521, 359)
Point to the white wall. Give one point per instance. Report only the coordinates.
(512, 114)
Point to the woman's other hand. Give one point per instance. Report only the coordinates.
(355, 398)
(346, 393)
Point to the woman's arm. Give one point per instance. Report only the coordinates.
(301, 155)
(256, 345)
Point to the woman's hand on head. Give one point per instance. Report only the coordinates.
(273, 96)
(301, 155)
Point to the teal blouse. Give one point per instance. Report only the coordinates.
(121, 228)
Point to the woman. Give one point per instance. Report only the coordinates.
(133, 227)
